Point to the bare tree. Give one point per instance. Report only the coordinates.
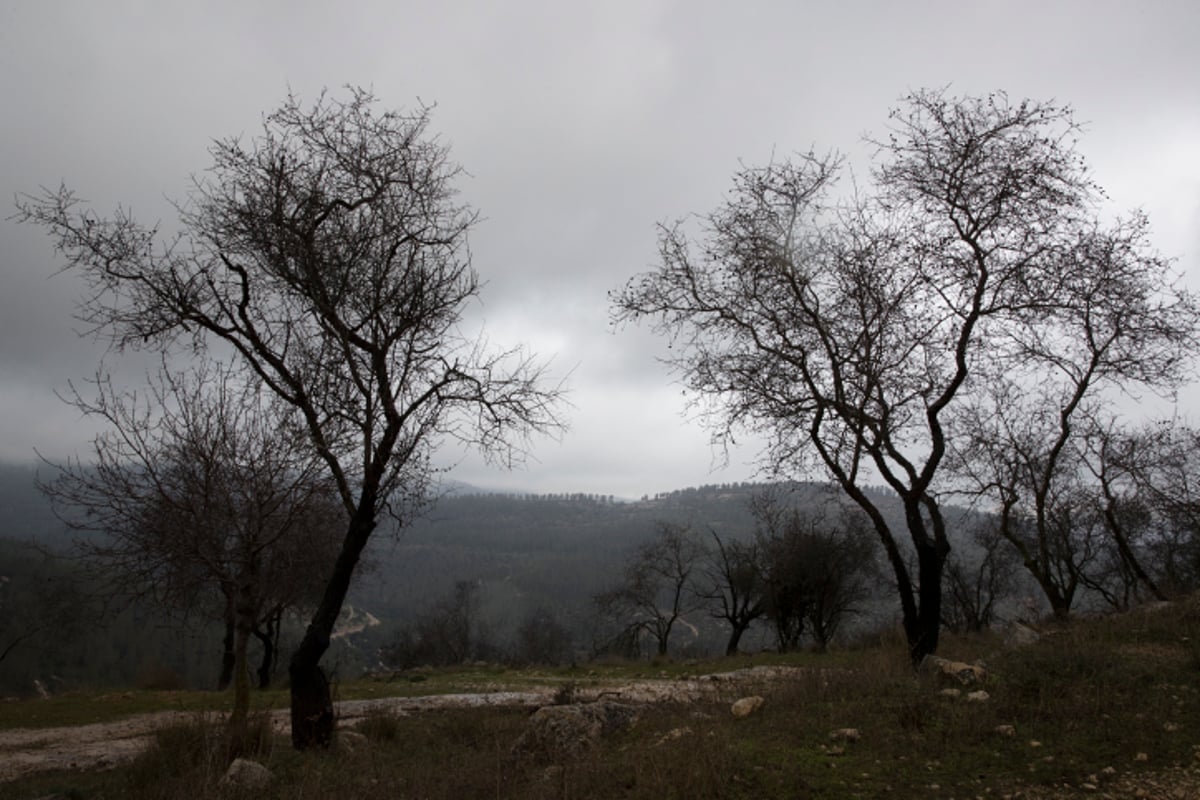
(658, 585)
(202, 485)
(330, 253)
(815, 568)
(542, 639)
(1025, 442)
(1149, 478)
(42, 602)
(973, 587)
(850, 331)
(734, 586)
(1110, 457)
(449, 633)
(1023, 453)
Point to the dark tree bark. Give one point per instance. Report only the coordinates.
(268, 636)
(227, 656)
(311, 701)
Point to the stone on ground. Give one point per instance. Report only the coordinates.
(246, 774)
(573, 729)
(746, 706)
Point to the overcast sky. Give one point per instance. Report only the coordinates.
(581, 125)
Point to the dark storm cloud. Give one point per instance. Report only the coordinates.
(581, 125)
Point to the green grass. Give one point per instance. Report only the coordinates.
(1092, 695)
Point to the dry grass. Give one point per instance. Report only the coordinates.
(1116, 693)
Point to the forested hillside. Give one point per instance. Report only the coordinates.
(522, 554)
(540, 552)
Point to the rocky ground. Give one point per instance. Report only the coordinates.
(103, 745)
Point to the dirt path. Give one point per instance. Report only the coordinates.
(104, 745)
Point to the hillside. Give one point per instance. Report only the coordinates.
(524, 553)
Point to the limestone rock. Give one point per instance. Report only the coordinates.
(673, 734)
(1005, 730)
(845, 735)
(1020, 635)
(570, 730)
(979, 696)
(960, 671)
(246, 774)
(951, 693)
(746, 706)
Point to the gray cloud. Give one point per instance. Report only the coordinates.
(581, 125)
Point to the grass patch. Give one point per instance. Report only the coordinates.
(1117, 692)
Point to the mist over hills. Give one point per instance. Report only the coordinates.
(524, 553)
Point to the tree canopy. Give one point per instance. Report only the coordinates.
(330, 253)
(852, 329)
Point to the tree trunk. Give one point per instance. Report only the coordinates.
(227, 656)
(247, 613)
(268, 640)
(1061, 608)
(735, 637)
(910, 608)
(1060, 600)
(239, 718)
(311, 701)
(1127, 555)
(926, 626)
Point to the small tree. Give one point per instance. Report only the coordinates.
(658, 586)
(42, 601)
(1025, 454)
(851, 331)
(1149, 480)
(330, 255)
(542, 639)
(815, 572)
(734, 586)
(975, 586)
(449, 633)
(201, 486)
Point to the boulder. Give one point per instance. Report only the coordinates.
(1020, 635)
(570, 730)
(247, 775)
(746, 706)
(958, 671)
(979, 696)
